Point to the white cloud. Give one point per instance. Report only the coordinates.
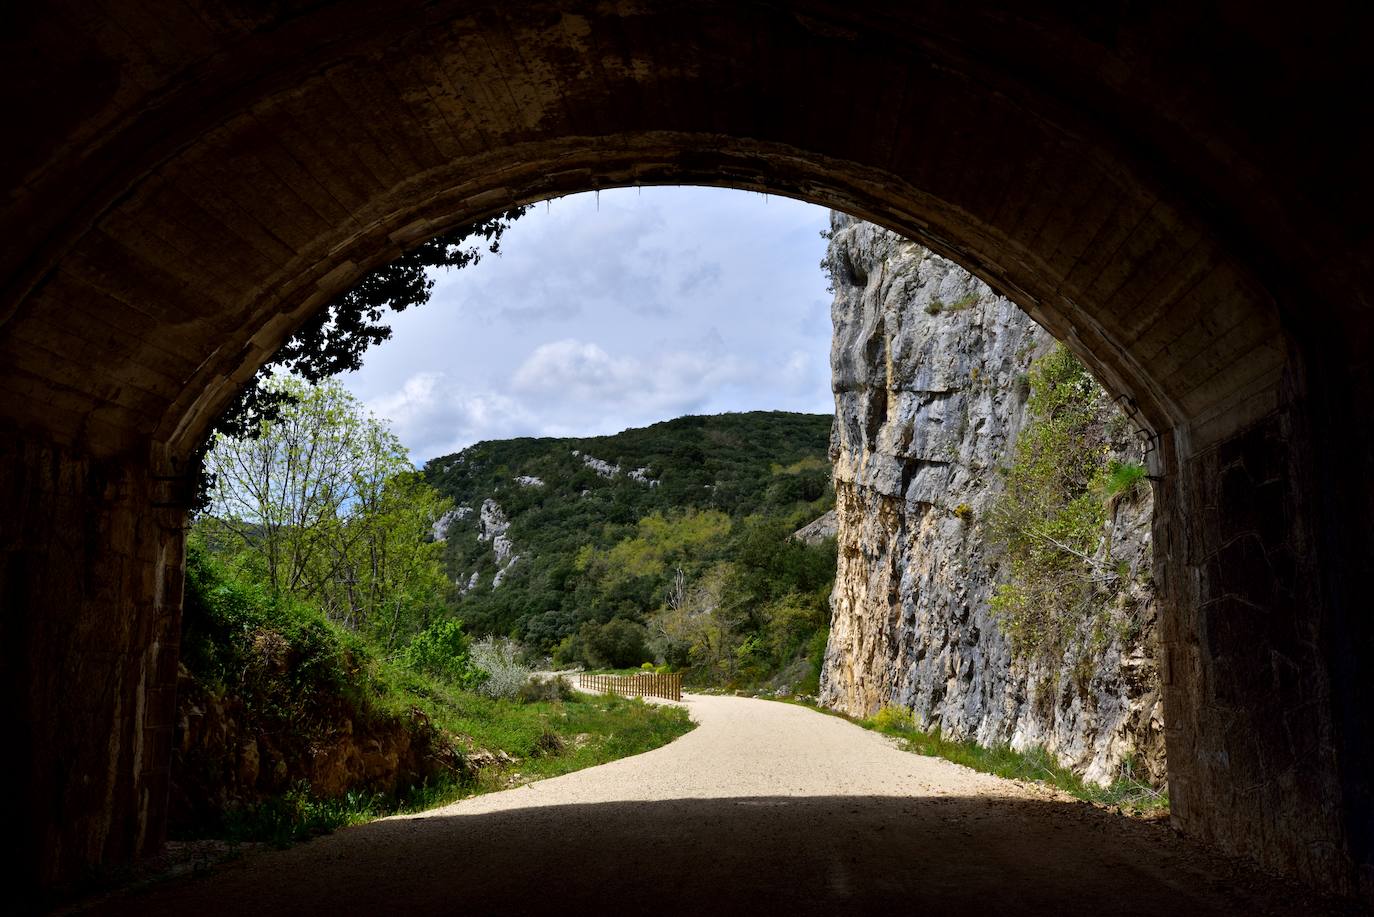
(572, 372)
(433, 414)
(614, 311)
(798, 371)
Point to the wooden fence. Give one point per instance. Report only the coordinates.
(640, 684)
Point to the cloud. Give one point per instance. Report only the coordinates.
(698, 278)
(615, 311)
(433, 413)
(573, 258)
(541, 313)
(568, 387)
(571, 372)
(798, 370)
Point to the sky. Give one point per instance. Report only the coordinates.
(612, 310)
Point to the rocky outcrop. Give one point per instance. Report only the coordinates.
(605, 469)
(819, 529)
(930, 378)
(492, 526)
(228, 753)
(439, 532)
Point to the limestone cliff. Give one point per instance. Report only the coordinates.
(930, 378)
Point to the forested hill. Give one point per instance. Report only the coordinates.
(532, 541)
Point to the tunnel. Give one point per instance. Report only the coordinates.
(1180, 192)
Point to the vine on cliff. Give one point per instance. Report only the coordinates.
(1050, 516)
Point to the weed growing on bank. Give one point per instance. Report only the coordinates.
(542, 739)
(294, 680)
(1061, 590)
(1130, 794)
(1036, 763)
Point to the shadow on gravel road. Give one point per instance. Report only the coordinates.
(793, 856)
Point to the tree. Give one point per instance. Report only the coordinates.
(617, 644)
(694, 628)
(334, 340)
(323, 504)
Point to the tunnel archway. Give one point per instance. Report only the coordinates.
(199, 181)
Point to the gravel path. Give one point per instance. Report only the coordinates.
(766, 808)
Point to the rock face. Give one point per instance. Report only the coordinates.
(492, 527)
(930, 378)
(818, 530)
(439, 531)
(605, 469)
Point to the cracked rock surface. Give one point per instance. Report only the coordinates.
(929, 368)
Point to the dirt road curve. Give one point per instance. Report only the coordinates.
(764, 809)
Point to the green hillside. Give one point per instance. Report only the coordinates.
(612, 531)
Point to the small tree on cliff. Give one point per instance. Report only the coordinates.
(1048, 520)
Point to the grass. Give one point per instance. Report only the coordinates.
(1123, 478)
(589, 730)
(1036, 764)
(320, 674)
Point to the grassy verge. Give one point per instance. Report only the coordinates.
(284, 670)
(589, 729)
(540, 740)
(1127, 793)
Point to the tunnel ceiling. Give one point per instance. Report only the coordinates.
(197, 177)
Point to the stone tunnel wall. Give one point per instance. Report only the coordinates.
(91, 572)
(1244, 662)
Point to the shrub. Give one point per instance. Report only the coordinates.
(1123, 478)
(549, 745)
(894, 719)
(964, 511)
(545, 690)
(499, 662)
(1050, 516)
(444, 650)
(274, 652)
(935, 307)
(617, 644)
